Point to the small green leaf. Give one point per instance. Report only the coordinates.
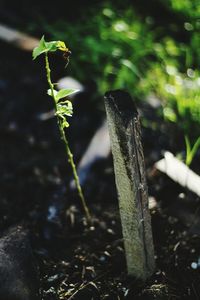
(61, 46)
(191, 150)
(65, 109)
(127, 63)
(61, 94)
(64, 93)
(65, 124)
(44, 47)
(52, 46)
(49, 92)
(41, 48)
(56, 45)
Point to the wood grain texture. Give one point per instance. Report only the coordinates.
(125, 134)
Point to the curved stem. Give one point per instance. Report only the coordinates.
(67, 148)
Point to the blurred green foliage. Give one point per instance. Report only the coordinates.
(109, 47)
(143, 53)
(189, 8)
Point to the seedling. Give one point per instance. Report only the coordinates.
(63, 107)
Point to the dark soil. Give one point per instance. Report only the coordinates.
(77, 262)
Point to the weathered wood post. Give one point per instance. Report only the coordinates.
(125, 134)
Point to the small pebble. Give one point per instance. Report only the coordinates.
(194, 265)
(110, 231)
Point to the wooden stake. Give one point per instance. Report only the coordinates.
(125, 134)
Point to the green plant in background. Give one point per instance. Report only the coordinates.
(180, 95)
(123, 51)
(125, 48)
(115, 51)
(63, 108)
(191, 150)
(186, 7)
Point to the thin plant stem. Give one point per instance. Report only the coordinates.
(67, 148)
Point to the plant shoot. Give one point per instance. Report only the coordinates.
(63, 107)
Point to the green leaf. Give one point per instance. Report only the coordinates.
(65, 124)
(188, 150)
(191, 150)
(64, 109)
(195, 147)
(49, 92)
(52, 46)
(45, 47)
(41, 48)
(64, 93)
(127, 63)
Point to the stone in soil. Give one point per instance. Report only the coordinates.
(18, 268)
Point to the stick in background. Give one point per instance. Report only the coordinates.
(18, 39)
(98, 149)
(179, 172)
